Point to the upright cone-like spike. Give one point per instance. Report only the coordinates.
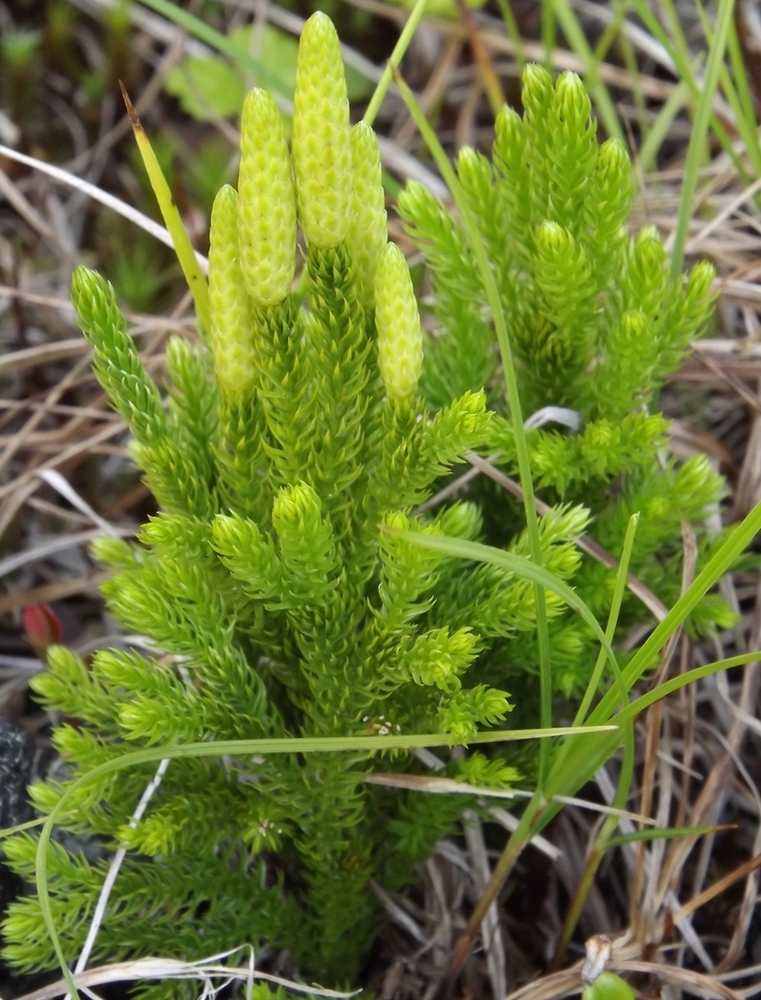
(267, 203)
(321, 145)
(400, 338)
(368, 227)
(231, 330)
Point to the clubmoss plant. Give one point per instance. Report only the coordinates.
(273, 582)
(281, 604)
(595, 324)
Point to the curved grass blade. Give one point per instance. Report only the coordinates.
(394, 60)
(615, 610)
(699, 132)
(715, 568)
(237, 748)
(596, 853)
(205, 33)
(589, 752)
(672, 833)
(527, 569)
(513, 399)
(683, 70)
(661, 126)
(169, 212)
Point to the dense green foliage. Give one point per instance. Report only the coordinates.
(272, 582)
(595, 325)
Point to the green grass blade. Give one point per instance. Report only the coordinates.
(739, 98)
(678, 37)
(395, 60)
(610, 631)
(686, 74)
(173, 220)
(205, 33)
(596, 852)
(660, 127)
(595, 855)
(573, 768)
(672, 833)
(513, 397)
(628, 54)
(549, 32)
(514, 32)
(634, 708)
(745, 111)
(9, 831)
(240, 748)
(459, 548)
(717, 566)
(699, 132)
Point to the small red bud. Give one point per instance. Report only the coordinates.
(42, 627)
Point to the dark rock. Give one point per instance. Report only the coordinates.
(19, 763)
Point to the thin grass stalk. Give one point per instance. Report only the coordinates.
(234, 748)
(629, 56)
(589, 752)
(513, 397)
(549, 32)
(658, 131)
(183, 248)
(597, 852)
(615, 610)
(611, 33)
(589, 757)
(748, 130)
(627, 770)
(205, 33)
(539, 812)
(395, 60)
(716, 567)
(677, 35)
(746, 118)
(672, 833)
(739, 97)
(685, 72)
(703, 114)
(538, 815)
(513, 32)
